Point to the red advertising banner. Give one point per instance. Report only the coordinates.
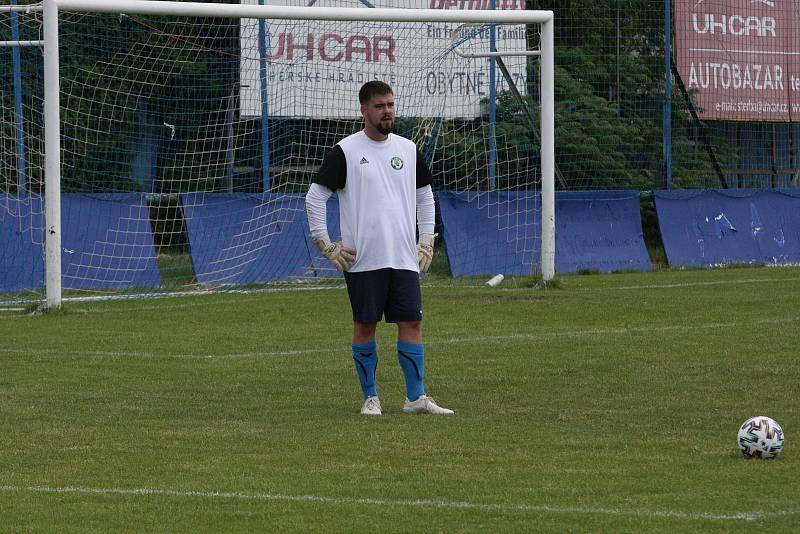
(740, 59)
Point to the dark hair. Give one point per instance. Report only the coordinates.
(370, 89)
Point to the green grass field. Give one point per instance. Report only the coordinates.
(610, 404)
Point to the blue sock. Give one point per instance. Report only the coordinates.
(412, 360)
(365, 356)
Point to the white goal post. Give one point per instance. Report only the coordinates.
(52, 95)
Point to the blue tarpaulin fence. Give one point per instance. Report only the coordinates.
(240, 239)
(107, 242)
(713, 227)
(596, 230)
(248, 239)
(21, 243)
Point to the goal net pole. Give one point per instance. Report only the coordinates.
(52, 122)
(548, 251)
(52, 152)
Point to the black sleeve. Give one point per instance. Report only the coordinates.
(424, 176)
(333, 172)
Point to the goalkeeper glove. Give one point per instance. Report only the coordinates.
(340, 256)
(425, 251)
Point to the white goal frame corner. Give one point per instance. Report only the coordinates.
(52, 121)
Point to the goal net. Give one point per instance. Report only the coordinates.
(189, 133)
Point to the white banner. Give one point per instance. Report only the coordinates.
(315, 68)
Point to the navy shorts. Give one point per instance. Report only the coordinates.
(393, 293)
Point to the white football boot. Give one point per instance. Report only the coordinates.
(372, 406)
(425, 404)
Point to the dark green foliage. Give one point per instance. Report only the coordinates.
(151, 80)
(609, 92)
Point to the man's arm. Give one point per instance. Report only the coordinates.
(426, 215)
(426, 219)
(332, 175)
(316, 209)
(426, 211)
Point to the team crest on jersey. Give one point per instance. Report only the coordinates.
(396, 163)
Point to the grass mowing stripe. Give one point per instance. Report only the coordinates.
(532, 508)
(434, 342)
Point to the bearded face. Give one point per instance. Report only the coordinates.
(379, 115)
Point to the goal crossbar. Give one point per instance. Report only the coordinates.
(200, 9)
(52, 8)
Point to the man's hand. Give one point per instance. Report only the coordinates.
(425, 251)
(340, 256)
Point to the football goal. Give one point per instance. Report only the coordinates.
(153, 146)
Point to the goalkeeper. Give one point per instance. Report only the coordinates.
(384, 189)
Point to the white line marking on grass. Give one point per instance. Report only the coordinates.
(143, 354)
(694, 284)
(434, 342)
(388, 503)
(145, 298)
(4, 317)
(620, 330)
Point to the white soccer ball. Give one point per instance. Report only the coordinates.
(760, 437)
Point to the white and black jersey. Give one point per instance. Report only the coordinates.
(377, 183)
